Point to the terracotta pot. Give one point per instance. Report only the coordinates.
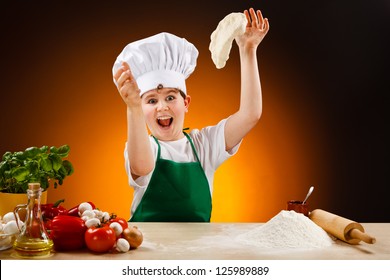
(8, 201)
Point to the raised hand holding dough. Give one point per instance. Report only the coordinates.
(234, 24)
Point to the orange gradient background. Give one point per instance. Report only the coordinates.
(58, 89)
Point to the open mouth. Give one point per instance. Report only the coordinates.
(164, 121)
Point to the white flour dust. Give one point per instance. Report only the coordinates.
(287, 229)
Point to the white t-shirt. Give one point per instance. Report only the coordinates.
(209, 143)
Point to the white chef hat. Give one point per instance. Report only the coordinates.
(162, 59)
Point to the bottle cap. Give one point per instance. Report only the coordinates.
(34, 186)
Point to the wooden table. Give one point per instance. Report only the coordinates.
(216, 241)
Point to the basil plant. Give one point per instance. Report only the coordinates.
(34, 164)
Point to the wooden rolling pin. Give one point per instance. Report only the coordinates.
(342, 228)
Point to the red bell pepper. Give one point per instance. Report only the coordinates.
(74, 211)
(67, 233)
(50, 210)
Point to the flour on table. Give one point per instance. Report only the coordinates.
(287, 229)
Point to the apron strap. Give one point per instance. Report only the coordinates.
(192, 145)
(158, 151)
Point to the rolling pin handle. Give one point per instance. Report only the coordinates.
(355, 233)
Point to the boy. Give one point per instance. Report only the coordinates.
(171, 171)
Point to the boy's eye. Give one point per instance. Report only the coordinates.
(152, 101)
(170, 98)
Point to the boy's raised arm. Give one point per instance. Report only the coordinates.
(138, 144)
(241, 122)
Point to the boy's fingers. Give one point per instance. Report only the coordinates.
(124, 78)
(126, 81)
(266, 24)
(124, 64)
(248, 19)
(118, 73)
(255, 22)
(123, 68)
(260, 18)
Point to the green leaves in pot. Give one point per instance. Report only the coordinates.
(34, 165)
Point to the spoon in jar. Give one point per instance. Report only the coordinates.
(308, 194)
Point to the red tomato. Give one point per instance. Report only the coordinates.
(121, 221)
(100, 239)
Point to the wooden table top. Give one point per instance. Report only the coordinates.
(213, 241)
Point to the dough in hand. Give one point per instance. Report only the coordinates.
(234, 24)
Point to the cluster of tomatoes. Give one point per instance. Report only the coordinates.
(115, 234)
(86, 226)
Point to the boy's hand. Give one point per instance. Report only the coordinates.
(127, 86)
(256, 30)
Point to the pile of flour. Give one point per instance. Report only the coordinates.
(288, 229)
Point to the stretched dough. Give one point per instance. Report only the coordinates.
(229, 27)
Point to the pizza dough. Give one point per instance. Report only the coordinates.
(229, 27)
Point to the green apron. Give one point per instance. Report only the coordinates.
(177, 192)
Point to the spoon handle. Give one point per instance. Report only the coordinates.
(308, 194)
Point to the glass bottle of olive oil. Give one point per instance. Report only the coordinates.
(33, 240)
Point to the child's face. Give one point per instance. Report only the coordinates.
(164, 111)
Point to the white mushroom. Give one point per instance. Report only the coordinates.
(117, 228)
(122, 245)
(83, 207)
(93, 222)
(89, 214)
(105, 217)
